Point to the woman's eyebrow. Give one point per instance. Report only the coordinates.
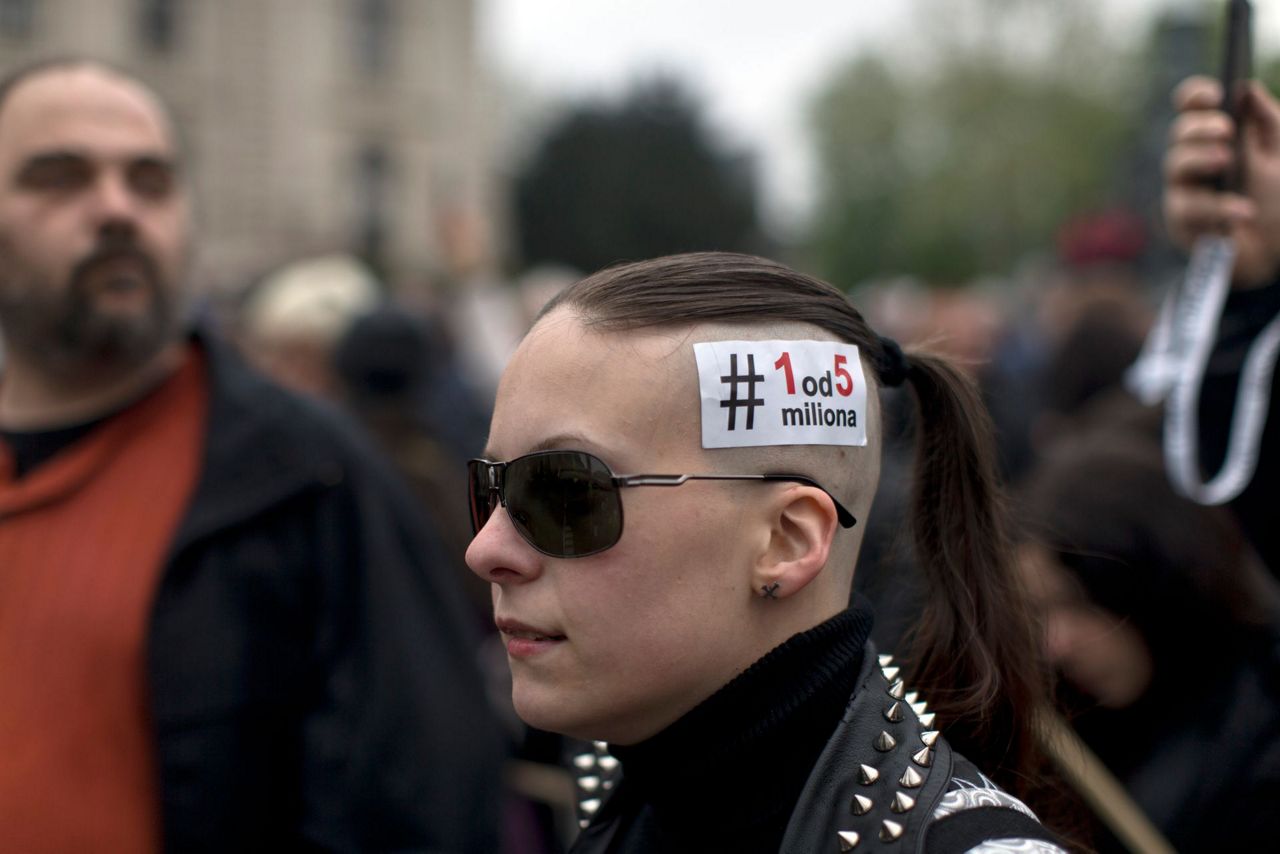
(561, 441)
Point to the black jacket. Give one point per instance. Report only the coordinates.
(884, 780)
(311, 670)
(1245, 315)
(1200, 752)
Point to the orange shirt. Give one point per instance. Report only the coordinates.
(83, 542)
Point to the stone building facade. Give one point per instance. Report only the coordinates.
(309, 125)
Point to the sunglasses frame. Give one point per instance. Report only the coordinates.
(496, 472)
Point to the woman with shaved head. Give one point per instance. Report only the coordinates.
(682, 457)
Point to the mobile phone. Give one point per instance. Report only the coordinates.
(1237, 68)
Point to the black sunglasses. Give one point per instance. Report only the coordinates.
(566, 503)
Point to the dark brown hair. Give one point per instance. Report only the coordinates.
(973, 654)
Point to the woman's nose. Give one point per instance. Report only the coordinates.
(499, 555)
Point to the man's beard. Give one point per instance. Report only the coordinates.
(67, 334)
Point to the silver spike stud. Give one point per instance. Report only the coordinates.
(929, 737)
(589, 784)
(893, 713)
(867, 775)
(860, 805)
(590, 806)
(602, 747)
(584, 761)
(885, 660)
(890, 831)
(607, 785)
(891, 673)
(608, 764)
(848, 839)
(910, 779)
(902, 802)
(927, 720)
(923, 757)
(912, 697)
(884, 742)
(897, 690)
(919, 707)
(582, 823)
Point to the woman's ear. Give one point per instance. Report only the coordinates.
(803, 524)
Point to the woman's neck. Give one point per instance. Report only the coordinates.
(737, 762)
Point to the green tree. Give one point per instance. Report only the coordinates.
(633, 180)
(969, 148)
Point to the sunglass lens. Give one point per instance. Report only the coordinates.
(481, 498)
(564, 502)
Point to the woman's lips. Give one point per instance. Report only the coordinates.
(524, 641)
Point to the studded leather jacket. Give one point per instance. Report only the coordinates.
(886, 780)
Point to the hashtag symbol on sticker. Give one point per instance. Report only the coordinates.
(734, 381)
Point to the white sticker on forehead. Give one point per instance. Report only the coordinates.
(781, 393)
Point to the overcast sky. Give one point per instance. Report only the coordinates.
(755, 63)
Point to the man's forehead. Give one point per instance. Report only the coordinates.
(82, 107)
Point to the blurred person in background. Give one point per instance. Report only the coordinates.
(1091, 318)
(292, 320)
(397, 374)
(222, 626)
(1161, 625)
(1201, 150)
(1081, 328)
(1098, 256)
(483, 313)
(704, 633)
(323, 327)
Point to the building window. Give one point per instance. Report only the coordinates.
(372, 29)
(17, 17)
(158, 23)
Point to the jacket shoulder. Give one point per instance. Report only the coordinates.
(976, 816)
(887, 777)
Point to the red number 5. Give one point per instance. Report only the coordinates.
(844, 381)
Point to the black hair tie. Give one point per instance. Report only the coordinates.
(892, 365)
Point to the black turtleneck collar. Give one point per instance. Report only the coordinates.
(729, 773)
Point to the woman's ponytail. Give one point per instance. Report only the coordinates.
(975, 651)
